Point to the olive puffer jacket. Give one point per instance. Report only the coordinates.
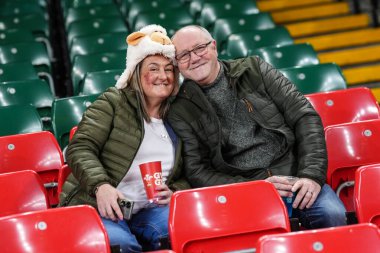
(273, 102)
(104, 146)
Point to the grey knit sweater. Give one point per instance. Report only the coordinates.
(245, 144)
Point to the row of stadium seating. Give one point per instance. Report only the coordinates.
(233, 220)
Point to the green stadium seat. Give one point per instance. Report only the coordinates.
(288, 55)
(158, 5)
(224, 27)
(97, 82)
(31, 22)
(95, 26)
(11, 72)
(19, 119)
(211, 11)
(90, 12)
(196, 6)
(170, 19)
(41, 3)
(66, 113)
(95, 62)
(98, 43)
(67, 4)
(21, 35)
(15, 36)
(316, 78)
(34, 52)
(34, 92)
(240, 44)
(20, 8)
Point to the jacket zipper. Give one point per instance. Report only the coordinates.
(248, 104)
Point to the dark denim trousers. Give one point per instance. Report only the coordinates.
(146, 227)
(327, 211)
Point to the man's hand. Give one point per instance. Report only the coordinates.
(106, 198)
(308, 191)
(163, 196)
(282, 185)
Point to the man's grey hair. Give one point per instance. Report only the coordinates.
(204, 30)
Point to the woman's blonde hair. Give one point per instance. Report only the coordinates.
(134, 83)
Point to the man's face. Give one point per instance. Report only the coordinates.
(196, 55)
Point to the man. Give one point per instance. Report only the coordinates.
(242, 120)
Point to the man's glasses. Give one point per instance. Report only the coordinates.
(199, 51)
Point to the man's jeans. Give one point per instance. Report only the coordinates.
(327, 211)
(146, 227)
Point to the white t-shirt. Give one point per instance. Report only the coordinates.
(155, 146)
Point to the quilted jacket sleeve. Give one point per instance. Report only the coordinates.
(83, 150)
(302, 119)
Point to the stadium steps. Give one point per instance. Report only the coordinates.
(276, 5)
(311, 12)
(355, 56)
(360, 37)
(337, 34)
(362, 74)
(376, 93)
(330, 25)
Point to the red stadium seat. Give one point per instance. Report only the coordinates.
(76, 229)
(72, 132)
(343, 106)
(367, 194)
(37, 151)
(363, 238)
(350, 146)
(161, 251)
(225, 218)
(21, 191)
(64, 173)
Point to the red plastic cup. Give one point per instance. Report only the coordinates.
(151, 174)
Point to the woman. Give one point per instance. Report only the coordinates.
(123, 128)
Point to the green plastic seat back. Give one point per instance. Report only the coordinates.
(137, 7)
(67, 4)
(34, 92)
(90, 12)
(66, 113)
(95, 26)
(316, 78)
(224, 27)
(288, 55)
(31, 22)
(41, 3)
(20, 8)
(34, 52)
(11, 72)
(95, 62)
(15, 36)
(97, 82)
(195, 6)
(239, 44)
(19, 119)
(212, 11)
(98, 43)
(171, 20)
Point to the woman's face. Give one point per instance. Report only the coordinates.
(157, 77)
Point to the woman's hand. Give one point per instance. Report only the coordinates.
(163, 195)
(106, 198)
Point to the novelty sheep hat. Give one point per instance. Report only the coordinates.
(150, 40)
